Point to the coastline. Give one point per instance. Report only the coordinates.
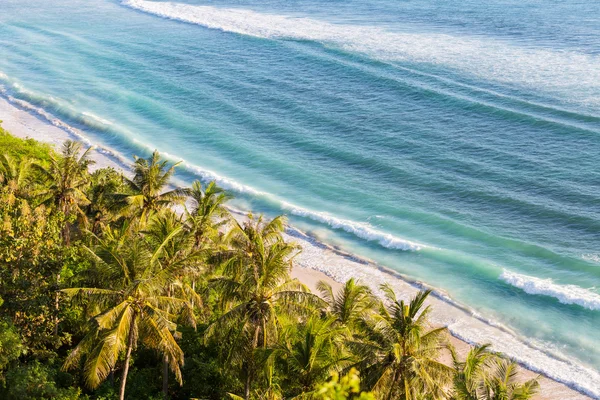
(319, 261)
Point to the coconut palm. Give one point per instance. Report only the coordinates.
(501, 382)
(401, 357)
(208, 213)
(134, 309)
(151, 177)
(66, 179)
(135, 314)
(15, 174)
(174, 252)
(484, 375)
(257, 285)
(470, 374)
(353, 302)
(100, 210)
(313, 351)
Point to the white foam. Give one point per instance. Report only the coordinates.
(50, 118)
(358, 229)
(593, 257)
(575, 76)
(224, 182)
(566, 294)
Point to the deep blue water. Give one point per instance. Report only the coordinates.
(455, 142)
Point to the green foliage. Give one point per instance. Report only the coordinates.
(36, 382)
(104, 183)
(204, 375)
(32, 258)
(348, 387)
(10, 344)
(24, 148)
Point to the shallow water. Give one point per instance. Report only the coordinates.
(457, 144)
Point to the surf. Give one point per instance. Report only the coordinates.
(554, 72)
(565, 294)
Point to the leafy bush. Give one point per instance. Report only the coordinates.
(36, 382)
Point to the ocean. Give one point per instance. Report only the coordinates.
(456, 143)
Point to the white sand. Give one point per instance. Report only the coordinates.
(320, 262)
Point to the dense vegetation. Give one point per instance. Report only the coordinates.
(111, 291)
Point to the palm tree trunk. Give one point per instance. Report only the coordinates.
(165, 374)
(397, 374)
(126, 366)
(250, 367)
(247, 387)
(165, 370)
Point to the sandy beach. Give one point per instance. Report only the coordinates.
(321, 262)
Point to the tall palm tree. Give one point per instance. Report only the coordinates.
(401, 355)
(173, 251)
(208, 213)
(151, 177)
(133, 309)
(67, 178)
(136, 313)
(353, 302)
(256, 282)
(15, 174)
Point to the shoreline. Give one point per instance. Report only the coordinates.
(318, 261)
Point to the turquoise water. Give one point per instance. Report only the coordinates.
(455, 142)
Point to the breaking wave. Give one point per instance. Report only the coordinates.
(566, 294)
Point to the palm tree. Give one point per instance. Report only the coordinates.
(15, 174)
(174, 252)
(137, 313)
(488, 376)
(501, 382)
(151, 176)
(67, 178)
(208, 213)
(353, 302)
(401, 355)
(256, 282)
(469, 374)
(100, 210)
(136, 310)
(313, 351)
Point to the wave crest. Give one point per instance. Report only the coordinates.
(561, 73)
(358, 229)
(566, 294)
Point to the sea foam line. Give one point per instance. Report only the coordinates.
(53, 120)
(566, 294)
(359, 229)
(552, 71)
